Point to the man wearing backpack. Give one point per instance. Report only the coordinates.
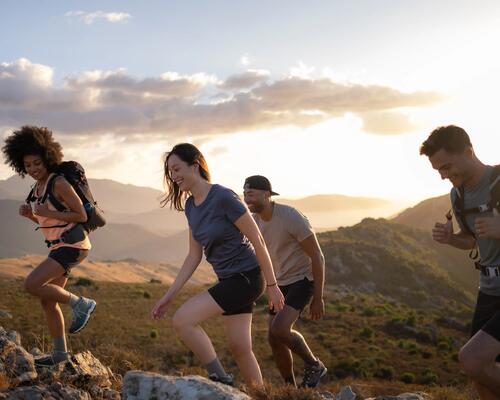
(300, 274)
(61, 216)
(475, 198)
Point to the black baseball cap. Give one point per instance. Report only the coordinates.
(259, 182)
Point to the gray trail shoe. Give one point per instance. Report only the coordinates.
(226, 380)
(81, 314)
(51, 359)
(313, 374)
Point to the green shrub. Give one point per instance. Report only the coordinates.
(84, 282)
(154, 334)
(407, 377)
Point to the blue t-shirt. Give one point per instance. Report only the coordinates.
(212, 225)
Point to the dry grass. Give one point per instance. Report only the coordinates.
(4, 381)
(123, 337)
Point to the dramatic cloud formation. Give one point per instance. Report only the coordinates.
(114, 102)
(90, 17)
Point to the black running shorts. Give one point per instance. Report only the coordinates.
(297, 294)
(237, 293)
(68, 257)
(487, 315)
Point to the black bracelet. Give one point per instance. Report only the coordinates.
(275, 283)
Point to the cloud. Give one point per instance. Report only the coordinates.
(172, 104)
(387, 123)
(90, 17)
(244, 80)
(245, 60)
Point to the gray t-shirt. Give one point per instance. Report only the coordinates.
(212, 224)
(283, 234)
(489, 249)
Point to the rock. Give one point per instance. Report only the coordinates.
(345, 393)
(17, 362)
(40, 392)
(35, 351)
(5, 314)
(15, 337)
(138, 385)
(82, 370)
(404, 396)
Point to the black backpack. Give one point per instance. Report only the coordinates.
(461, 212)
(75, 175)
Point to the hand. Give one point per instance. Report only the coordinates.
(442, 233)
(488, 227)
(275, 298)
(317, 308)
(25, 211)
(41, 209)
(160, 308)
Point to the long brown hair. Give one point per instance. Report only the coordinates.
(191, 155)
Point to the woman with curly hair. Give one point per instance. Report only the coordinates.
(221, 226)
(32, 151)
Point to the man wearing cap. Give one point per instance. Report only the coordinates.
(299, 267)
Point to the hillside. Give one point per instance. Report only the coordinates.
(380, 256)
(125, 271)
(378, 345)
(426, 213)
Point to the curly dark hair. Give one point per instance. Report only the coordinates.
(32, 140)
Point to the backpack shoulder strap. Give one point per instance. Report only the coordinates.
(31, 195)
(495, 189)
(50, 194)
(459, 209)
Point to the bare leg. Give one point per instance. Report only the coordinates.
(239, 335)
(477, 359)
(186, 322)
(39, 282)
(53, 313)
(282, 356)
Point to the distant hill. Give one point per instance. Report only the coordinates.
(426, 213)
(114, 241)
(380, 256)
(333, 202)
(130, 204)
(125, 270)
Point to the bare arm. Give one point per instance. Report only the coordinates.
(189, 265)
(443, 233)
(248, 227)
(65, 192)
(311, 247)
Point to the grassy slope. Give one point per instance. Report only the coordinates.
(361, 338)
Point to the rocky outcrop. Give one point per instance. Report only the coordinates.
(81, 377)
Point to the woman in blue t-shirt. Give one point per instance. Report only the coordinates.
(221, 226)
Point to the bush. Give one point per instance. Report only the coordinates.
(146, 294)
(366, 333)
(153, 280)
(385, 373)
(407, 377)
(84, 282)
(154, 334)
(429, 378)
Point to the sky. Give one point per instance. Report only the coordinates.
(319, 96)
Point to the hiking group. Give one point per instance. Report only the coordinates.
(254, 246)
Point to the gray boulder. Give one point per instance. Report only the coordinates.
(138, 385)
